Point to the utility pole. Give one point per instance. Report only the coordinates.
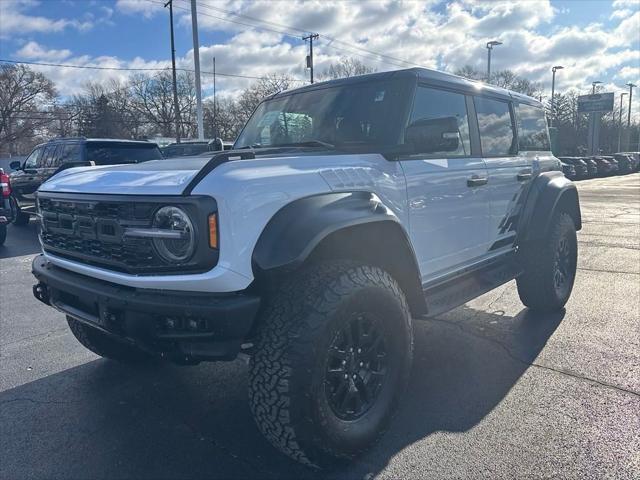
(631, 86)
(311, 38)
(176, 105)
(215, 107)
(620, 121)
(553, 89)
(196, 61)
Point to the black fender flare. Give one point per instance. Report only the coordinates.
(353, 224)
(549, 192)
(297, 228)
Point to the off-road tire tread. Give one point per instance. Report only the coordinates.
(535, 289)
(301, 305)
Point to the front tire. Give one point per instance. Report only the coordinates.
(333, 358)
(550, 267)
(3, 234)
(104, 346)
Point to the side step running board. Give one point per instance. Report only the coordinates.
(454, 291)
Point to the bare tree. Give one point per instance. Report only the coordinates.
(251, 97)
(346, 67)
(24, 96)
(504, 79)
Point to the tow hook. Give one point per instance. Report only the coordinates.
(41, 292)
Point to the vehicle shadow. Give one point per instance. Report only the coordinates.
(104, 420)
(21, 241)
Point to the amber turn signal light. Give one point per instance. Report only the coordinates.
(213, 230)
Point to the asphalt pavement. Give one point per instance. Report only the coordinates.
(496, 391)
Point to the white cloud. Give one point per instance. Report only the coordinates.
(34, 51)
(15, 20)
(629, 73)
(137, 7)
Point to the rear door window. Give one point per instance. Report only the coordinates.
(47, 156)
(496, 126)
(441, 106)
(70, 153)
(532, 128)
(56, 160)
(105, 153)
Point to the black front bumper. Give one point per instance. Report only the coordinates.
(181, 326)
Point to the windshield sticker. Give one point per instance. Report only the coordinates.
(379, 96)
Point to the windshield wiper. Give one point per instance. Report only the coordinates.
(307, 143)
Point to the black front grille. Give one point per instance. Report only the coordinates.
(92, 231)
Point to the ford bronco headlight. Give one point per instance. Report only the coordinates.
(180, 241)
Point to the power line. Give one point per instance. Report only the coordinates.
(134, 69)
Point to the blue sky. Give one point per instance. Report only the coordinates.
(594, 40)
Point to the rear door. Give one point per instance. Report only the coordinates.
(509, 172)
(448, 198)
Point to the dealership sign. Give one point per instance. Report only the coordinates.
(599, 102)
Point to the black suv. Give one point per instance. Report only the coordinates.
(49, 158)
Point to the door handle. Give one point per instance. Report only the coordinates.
(523, 176)
(477, 181)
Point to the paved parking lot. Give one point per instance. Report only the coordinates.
(495, 392)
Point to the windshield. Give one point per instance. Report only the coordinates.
(116, 153)
(363, 113)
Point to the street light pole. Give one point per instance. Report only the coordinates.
(196, 61)
(631, 86)
(490, 46)
(620, 121)
(176, 105)
(553, 89)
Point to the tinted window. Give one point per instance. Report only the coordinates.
(55, 160)
(105, 153)
(431, 104)
(532, 128)
(71, 153)
(47, 156)
(497, 135)
(358, 114)
(32, 160)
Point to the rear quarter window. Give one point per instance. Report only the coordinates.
(532, 128)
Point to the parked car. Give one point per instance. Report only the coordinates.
(49, 158)
(615, 168)
(605, 167)
(191, 148)
(347, 210)
(592, 166)
(580, 167)
(5, 208)
(636, 158)
(569, 170)
(625, 163)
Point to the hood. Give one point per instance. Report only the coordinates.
(156, 177)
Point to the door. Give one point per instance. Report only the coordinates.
(447, 194)
(23, 181)
(509, 172)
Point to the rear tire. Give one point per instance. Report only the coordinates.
(299, 395)
(550, 267)
(104, 346)
(20, 219)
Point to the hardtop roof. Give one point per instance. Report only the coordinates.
(427, 76)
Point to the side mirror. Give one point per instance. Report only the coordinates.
(433, 135)
(15, 165)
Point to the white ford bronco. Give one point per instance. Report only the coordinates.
(346, 211)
